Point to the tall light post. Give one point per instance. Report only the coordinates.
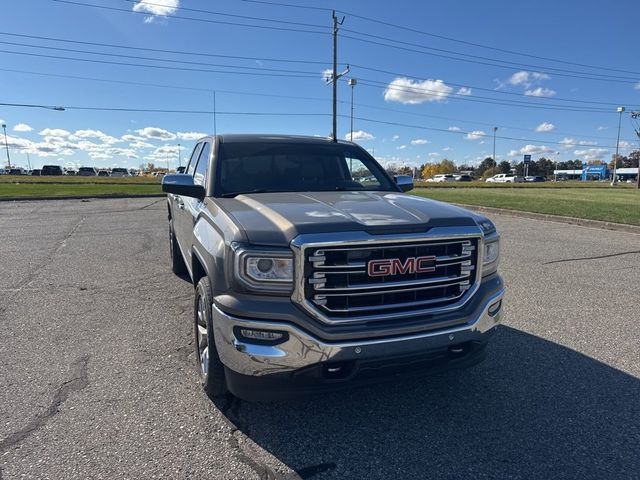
(614, 180)
(352, 83)
(179, 157)
(6, 144)
(493, 170)
(555, 176)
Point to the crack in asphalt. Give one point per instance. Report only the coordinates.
(592, 258)
(29, 278)
(239, 428)
(79, 380)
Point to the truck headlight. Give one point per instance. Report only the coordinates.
(269, 269)
(491, 254)
(263, 270)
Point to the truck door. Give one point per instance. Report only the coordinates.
(192, 206)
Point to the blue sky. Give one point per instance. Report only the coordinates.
(414, 103)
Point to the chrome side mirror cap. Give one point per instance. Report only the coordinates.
(405, 182)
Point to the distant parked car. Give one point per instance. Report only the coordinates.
(51, 170)
(462, 178)
(505, 178)
(35, 172)
(72, 172)
(119, 172)
(535, 178)
(3, 171)
(103, 173)
(442, 178)
(87, 171)
(17, 171)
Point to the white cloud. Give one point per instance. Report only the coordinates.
(89, 134)
(157, 8)
(189, 136)
(446, 149)
(359, 135)
(475, 135)
(419, 141)
(395, 137)
(22, 127)
(625, 144)
(454, 129)
(540, 92)
(54, 132)
(132, 138)
(139, 144)
(637, 86)
(464, 91)
(569, 142)
(601, 128)
(545, 127)
(404, 90)
(156, 133)
(434, 154)
(401, 147)
(592, 153)
(530, 150)
(526, 79)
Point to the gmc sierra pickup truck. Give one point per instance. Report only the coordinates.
(313, 269)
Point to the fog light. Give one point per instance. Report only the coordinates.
(495, 308)
(268, 337)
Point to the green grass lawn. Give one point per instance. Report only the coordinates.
(70, 189)
(620, 205)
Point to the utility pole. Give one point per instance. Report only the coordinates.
(493, 170)
(614, 180)
(28, 161)
(335, 75)
(352, 83)
(6, 144)
(636, 127)
(179, 157)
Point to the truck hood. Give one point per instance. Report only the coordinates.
(277, 218)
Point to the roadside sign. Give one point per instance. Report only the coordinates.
(527, 159)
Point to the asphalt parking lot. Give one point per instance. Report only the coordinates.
(98, 375)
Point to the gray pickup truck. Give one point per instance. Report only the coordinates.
(314, 270)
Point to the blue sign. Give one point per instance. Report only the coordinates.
(527, 159)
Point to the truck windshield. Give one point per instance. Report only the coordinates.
(273, 167)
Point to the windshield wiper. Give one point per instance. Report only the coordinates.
(257, 190)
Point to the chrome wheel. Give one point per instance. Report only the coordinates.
(203, 337)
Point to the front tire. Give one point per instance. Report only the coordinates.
(211, 368)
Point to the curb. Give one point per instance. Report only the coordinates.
(582, 222)
(80, 197)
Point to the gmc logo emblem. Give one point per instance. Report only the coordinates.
(395, 266)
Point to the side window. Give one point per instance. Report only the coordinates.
(200, 175)
(191, 166)
(361, 174)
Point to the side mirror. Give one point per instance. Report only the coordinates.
(182, 184)
(405, 182)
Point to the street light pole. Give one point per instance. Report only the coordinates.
(6, 144)
(614, 181)
(555, 176)
(493, 170)
(179, 157)
(352, 83)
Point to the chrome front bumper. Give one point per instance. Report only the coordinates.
(302, 349)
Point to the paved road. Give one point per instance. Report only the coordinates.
(98, 376)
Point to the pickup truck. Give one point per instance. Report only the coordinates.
(505, 178)
(314, 270)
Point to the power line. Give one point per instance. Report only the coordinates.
(477, 134)
(203, 20)
(479, 99)
(162, 67)
(186, 62)
(474, 44)
(281, 4)
(296, 97)
(377, 70)
(480, 62)
(159, 50)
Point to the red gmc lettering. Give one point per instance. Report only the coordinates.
(395, 266)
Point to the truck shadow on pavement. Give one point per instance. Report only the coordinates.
(533, 409)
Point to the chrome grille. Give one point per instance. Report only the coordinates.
(339, 285)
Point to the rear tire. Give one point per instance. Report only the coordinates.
(177, 262)
(211, 368)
